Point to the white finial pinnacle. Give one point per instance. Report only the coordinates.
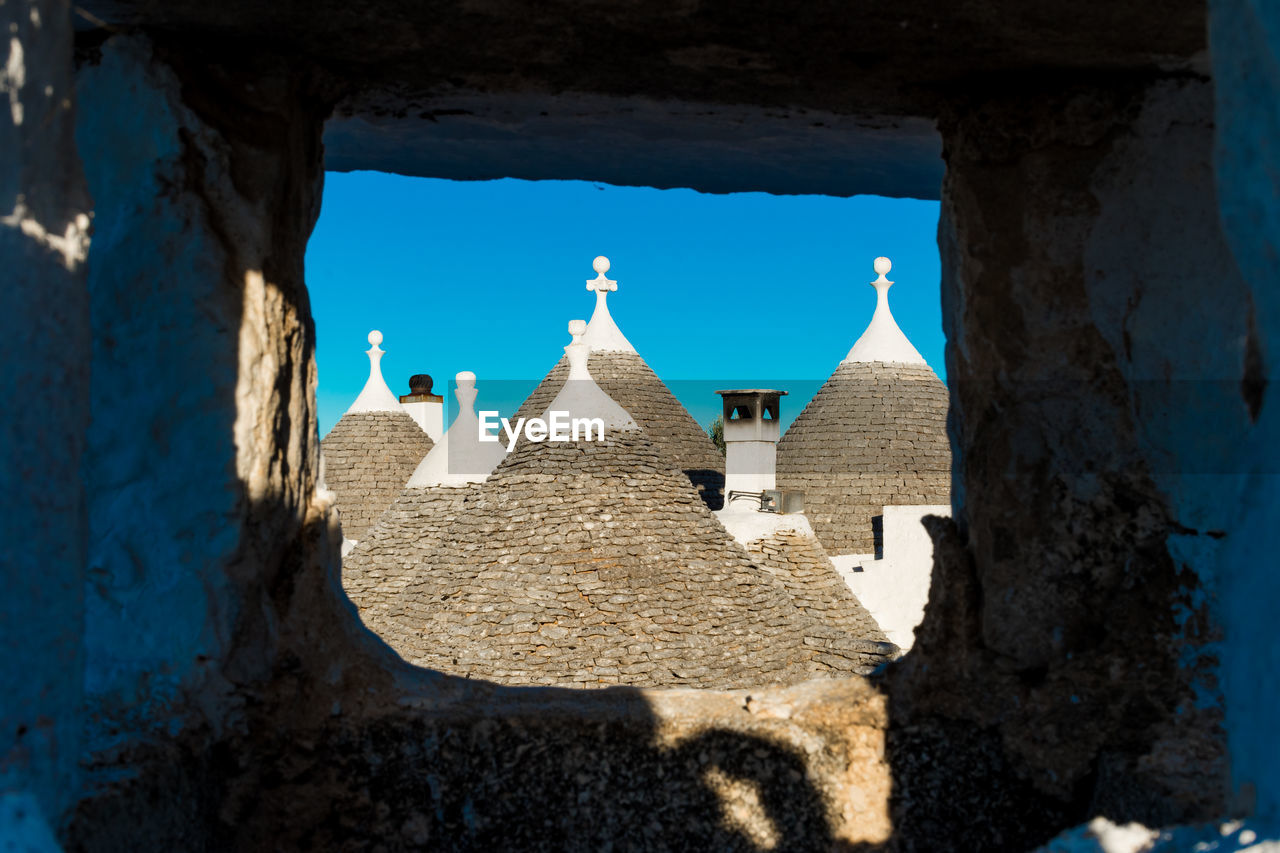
(577, 352)
(600, 284)
(580, 395)
(459, 457)
(882, 265)
(376, 396)
(603, 335)
(465, 390)
(883, 341)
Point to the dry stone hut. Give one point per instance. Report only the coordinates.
(371, 451)
(626, 378)
(594, 562)
(875, 435)
(385, 571)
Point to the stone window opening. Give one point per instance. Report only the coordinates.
(201, 679)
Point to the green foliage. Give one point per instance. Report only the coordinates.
(716, 431)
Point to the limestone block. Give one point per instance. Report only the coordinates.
(1077, 576)
(203, 461)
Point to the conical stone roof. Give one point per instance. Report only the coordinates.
(371, 451)
(874, 435)
(385, 570)
(797, 560)
(593, 563)
(369, 456)
(385, 573)
(626, 378)
(620, 371)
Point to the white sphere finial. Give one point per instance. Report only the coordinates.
(883, 341)
(376, 396)
(577, 328)
(600, 264)
(465, 379)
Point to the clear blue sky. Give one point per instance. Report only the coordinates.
(714, 291)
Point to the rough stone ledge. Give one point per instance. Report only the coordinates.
(857, 699)
(435, 760)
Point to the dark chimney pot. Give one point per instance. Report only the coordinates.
(420, 384)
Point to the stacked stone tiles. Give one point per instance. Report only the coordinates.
(875, 435)
(803, 568)
(382, 574)
(594, 564)
(626, 378)
(369, 456)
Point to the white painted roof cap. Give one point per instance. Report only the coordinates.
(603, 334)
(376, 396)
(580, 396)
(460, 457)
(883, 340)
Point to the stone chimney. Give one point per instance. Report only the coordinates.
(425, 408)
(750, 439)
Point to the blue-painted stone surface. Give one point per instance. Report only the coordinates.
(160, 469)
(44, 389)
(1245, 51)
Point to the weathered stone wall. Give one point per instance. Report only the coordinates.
(483, 768)
(721, 98)
(202, 465)
(369, 457)
(246, 707)
(1062, 668)
(44, 389)
(1096, 345)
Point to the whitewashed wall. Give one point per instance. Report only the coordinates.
(895, 588)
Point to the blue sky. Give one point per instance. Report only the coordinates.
(714, 291)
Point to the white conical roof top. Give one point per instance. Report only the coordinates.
(376, 396)
(883, 341)
(623, 376)
(580, 396)
(603, 335)
(460, 457)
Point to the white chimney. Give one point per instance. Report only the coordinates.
(423, 406)
(751, 433)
